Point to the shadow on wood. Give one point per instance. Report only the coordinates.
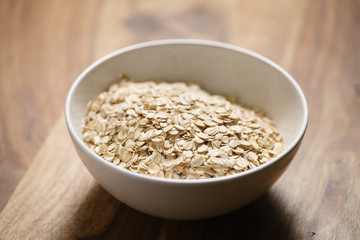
(92, 216)
(102, 216)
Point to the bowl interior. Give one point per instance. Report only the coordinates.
(217, 68)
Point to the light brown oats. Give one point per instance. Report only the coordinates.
(176, 130)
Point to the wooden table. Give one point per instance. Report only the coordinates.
(45, 191)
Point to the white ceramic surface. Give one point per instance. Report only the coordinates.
(219, 68)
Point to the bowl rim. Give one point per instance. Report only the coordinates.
(179, 41)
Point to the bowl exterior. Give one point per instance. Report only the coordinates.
(277, 94)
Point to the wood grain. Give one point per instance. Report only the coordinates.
(44, 45)
(41, 53)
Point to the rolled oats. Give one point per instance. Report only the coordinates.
(177, 130)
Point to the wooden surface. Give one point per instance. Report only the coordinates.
(46, 193)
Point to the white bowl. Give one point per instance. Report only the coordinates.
(219, 68)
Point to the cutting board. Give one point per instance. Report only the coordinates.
(58, 199)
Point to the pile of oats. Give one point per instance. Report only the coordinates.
(177, 130)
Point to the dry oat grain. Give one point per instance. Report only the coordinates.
(177, 130)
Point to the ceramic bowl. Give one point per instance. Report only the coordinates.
(218, 68)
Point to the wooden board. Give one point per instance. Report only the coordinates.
(46, 44)
(58, 199)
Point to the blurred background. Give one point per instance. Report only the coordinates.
(45, 45)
